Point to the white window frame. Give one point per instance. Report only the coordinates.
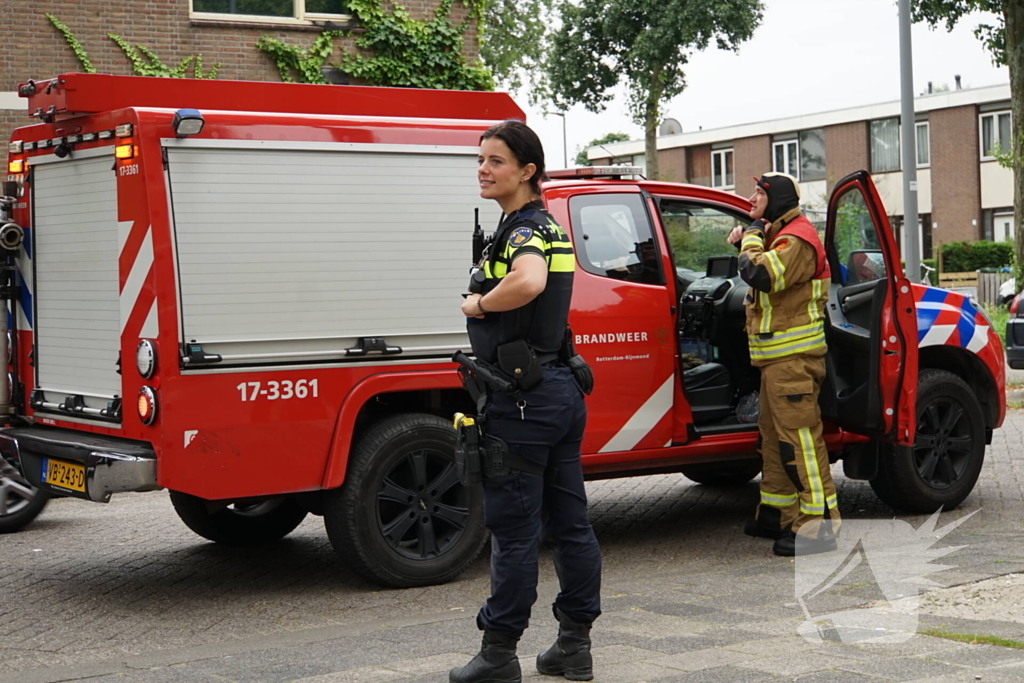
(725, 173)
(994, 115)
(899, 146)
(789, 162)
(299, 16)
(917, 148)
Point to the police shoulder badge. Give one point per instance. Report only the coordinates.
(520, 236)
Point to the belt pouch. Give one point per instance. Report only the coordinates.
(494, 457)
(519, 361)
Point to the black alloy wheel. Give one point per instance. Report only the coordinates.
(944, 444)
(422, 510)
(20, 502)
(943, 465)
(402, 518)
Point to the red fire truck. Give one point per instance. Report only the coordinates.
(247, 294)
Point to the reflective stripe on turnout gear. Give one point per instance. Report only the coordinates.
(778, 500)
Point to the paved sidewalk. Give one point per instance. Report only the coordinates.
(90, 593)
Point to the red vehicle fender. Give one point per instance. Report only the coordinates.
(384, 383)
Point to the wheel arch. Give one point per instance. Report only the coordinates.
(379, 396)
(968, 367)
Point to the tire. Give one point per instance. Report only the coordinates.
(239, 524)
(402, 518)
(20, 502)
(724, 475)
(943, 465)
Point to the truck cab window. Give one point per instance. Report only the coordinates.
(612, 237)
(696, 232)
(856, 245)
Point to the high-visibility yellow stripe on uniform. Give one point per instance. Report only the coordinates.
(813, 310)
(801, 346)
(778, 270)
(816, 506)
(766, 313)
(831, 502)
(778, 500)
(752, 241)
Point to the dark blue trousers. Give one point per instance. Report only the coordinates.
(521, 508)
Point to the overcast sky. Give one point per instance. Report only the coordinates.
(807, 56)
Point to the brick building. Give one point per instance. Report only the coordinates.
(963, 193)
(222, 31)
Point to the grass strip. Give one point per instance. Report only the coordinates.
(973, 638)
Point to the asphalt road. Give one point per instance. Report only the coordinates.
(125, 592)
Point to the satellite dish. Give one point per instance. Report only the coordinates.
(670, 127)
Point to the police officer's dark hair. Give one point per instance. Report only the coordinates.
(525, 147)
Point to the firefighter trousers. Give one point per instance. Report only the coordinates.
(796, 483)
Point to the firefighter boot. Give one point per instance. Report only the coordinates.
(495, 663)
(766, 524)
(814, 537)
(570, 655)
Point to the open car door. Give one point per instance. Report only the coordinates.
(871, 383)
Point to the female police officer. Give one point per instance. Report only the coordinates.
(524, 309)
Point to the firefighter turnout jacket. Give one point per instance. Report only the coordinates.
(789, 276)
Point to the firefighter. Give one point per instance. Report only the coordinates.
(524, 305)
(783, 261)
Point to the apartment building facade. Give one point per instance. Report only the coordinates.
(963, 192)
(221, 31)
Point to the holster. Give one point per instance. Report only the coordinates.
(581, 372)
(518, 360)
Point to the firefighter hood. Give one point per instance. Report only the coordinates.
(783, 194)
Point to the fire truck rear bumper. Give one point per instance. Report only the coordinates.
(110, 465)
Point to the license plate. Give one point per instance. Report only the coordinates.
(65, 475)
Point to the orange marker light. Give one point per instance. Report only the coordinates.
(124, 151)
(16, 166)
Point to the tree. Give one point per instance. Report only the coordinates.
(644, 42)
(514, 38)
(1005, 41)
(583, 160)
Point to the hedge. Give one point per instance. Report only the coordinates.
(960, 257)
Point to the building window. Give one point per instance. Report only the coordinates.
(923, 153)
(786, 155)
(995, 134)
(812, 155)
(885, 145)
(721, 169)
(282, 9)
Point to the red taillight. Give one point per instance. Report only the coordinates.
(147, 405)
(1015, 303)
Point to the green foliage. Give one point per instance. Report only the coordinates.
(148, 64)
(960, 257)
(515, 36)
(949, 12)
(76, 47)
(298, 65)
(392, 49)
(643, 42)
(581, 157)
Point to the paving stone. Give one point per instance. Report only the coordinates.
(791, 664)
(703, 659)
(902, 668)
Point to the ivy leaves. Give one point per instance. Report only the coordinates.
(392, 49)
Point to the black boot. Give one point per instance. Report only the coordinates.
(767, 523)
(793, 544)
(495, 663)
(570, 655)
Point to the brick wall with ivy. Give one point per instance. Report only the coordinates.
(33, 48)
